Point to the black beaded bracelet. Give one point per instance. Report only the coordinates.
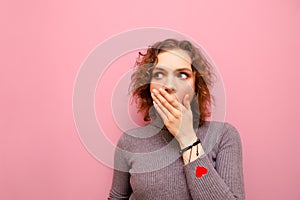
(189, 147)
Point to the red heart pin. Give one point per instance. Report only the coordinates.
(200, 171)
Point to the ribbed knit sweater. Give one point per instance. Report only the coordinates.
(148, 165)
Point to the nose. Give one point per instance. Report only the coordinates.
(170, 90)
(170, 86)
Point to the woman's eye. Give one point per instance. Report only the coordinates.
(158, 75)
(183, 75)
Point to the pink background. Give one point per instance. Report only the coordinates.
(255, 45)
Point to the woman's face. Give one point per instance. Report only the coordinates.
(173, 72)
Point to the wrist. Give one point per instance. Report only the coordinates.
(186, 141)
(192, 154)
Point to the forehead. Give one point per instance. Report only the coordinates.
(174, 59)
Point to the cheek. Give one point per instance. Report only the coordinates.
(189, 89)
(154, 86)
(184, 91)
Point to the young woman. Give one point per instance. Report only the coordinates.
(168, 159)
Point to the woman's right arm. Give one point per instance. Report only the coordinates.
(121, 188)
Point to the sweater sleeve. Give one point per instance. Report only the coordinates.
(120, 188)
(224, 181)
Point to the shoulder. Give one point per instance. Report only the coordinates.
(230, 137)
(223, 133)
(224, 128)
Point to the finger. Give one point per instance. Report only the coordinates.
(186, 102)
(160, 112)
(171, 99)
(165, 106)
(161, 106)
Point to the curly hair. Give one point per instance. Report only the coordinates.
(141, 78)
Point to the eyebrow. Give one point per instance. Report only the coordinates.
(179, 69)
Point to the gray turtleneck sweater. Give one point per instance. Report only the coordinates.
(148, 165)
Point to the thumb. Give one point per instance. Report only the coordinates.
(186, 102)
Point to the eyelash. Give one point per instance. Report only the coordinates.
(156, 74)
(183, 73)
